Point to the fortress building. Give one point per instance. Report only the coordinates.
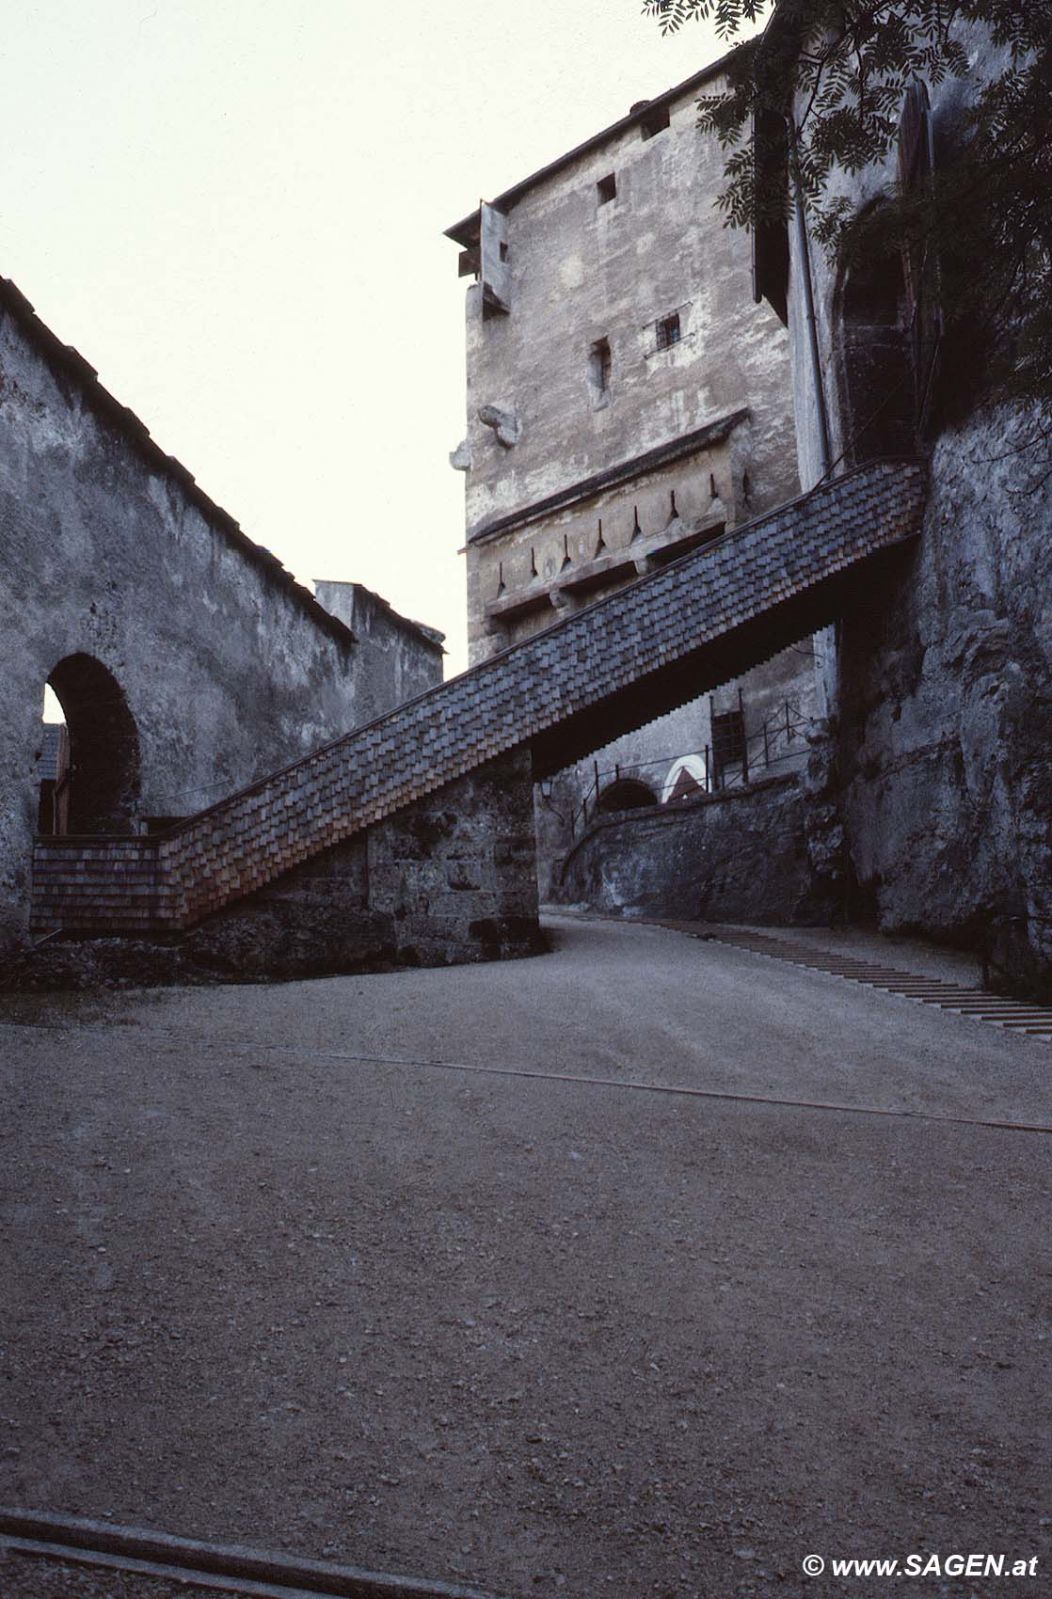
(627, 402)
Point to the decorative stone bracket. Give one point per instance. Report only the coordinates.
(505, 424)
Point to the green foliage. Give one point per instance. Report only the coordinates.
(841, 69)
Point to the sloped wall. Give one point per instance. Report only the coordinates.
(108, 550)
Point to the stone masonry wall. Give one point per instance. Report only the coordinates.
(581, 271)
(741, 856)
(945, 678)
(650, 755)
(109, 551)
(946, 713)
(524, 578)
(395, 659)
(450, 879)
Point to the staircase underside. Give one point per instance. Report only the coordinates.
(612, 667)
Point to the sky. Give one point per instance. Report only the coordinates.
(235, 212)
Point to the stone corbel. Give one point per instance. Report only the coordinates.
(505, 424)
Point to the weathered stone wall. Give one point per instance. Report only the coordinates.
(945, 680)
(528, 575)
(581, 271)
(600, 673)
(946, 713)
(109, 553)
(578, 489)
(448, 880)
(395, 659)
(653, 754)
(742, 856)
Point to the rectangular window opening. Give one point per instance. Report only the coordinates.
(655, 121)
(606, 189)
(668, 331)
(503, 251)
(599, 366)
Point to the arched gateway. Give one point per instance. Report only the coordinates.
(104, 759)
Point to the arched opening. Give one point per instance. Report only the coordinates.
(91, 758)
(627, 794)
(686, 777)
(876, 378)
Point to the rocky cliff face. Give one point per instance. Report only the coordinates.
(946, 712)
(742, 856)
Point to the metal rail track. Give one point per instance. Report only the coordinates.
(222, 1568)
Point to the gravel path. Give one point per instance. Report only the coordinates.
(270, 1279)
(22, 1577)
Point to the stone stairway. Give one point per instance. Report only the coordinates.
(613, 666)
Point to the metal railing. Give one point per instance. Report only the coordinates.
(780, 738)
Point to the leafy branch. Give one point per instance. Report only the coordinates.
(833, 74)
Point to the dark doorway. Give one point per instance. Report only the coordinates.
(101, 779)
(877, 390)
(728, 743)
(627, 794)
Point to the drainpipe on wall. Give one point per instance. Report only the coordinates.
(825, 641)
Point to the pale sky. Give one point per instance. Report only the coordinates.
(234, 211)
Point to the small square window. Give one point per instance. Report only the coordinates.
(668, 331)
(606, 189)
(655, 121)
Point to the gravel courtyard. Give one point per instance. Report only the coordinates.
(423, 1272)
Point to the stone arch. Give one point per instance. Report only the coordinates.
(626, 794)
(104, 760)
(875, 374)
